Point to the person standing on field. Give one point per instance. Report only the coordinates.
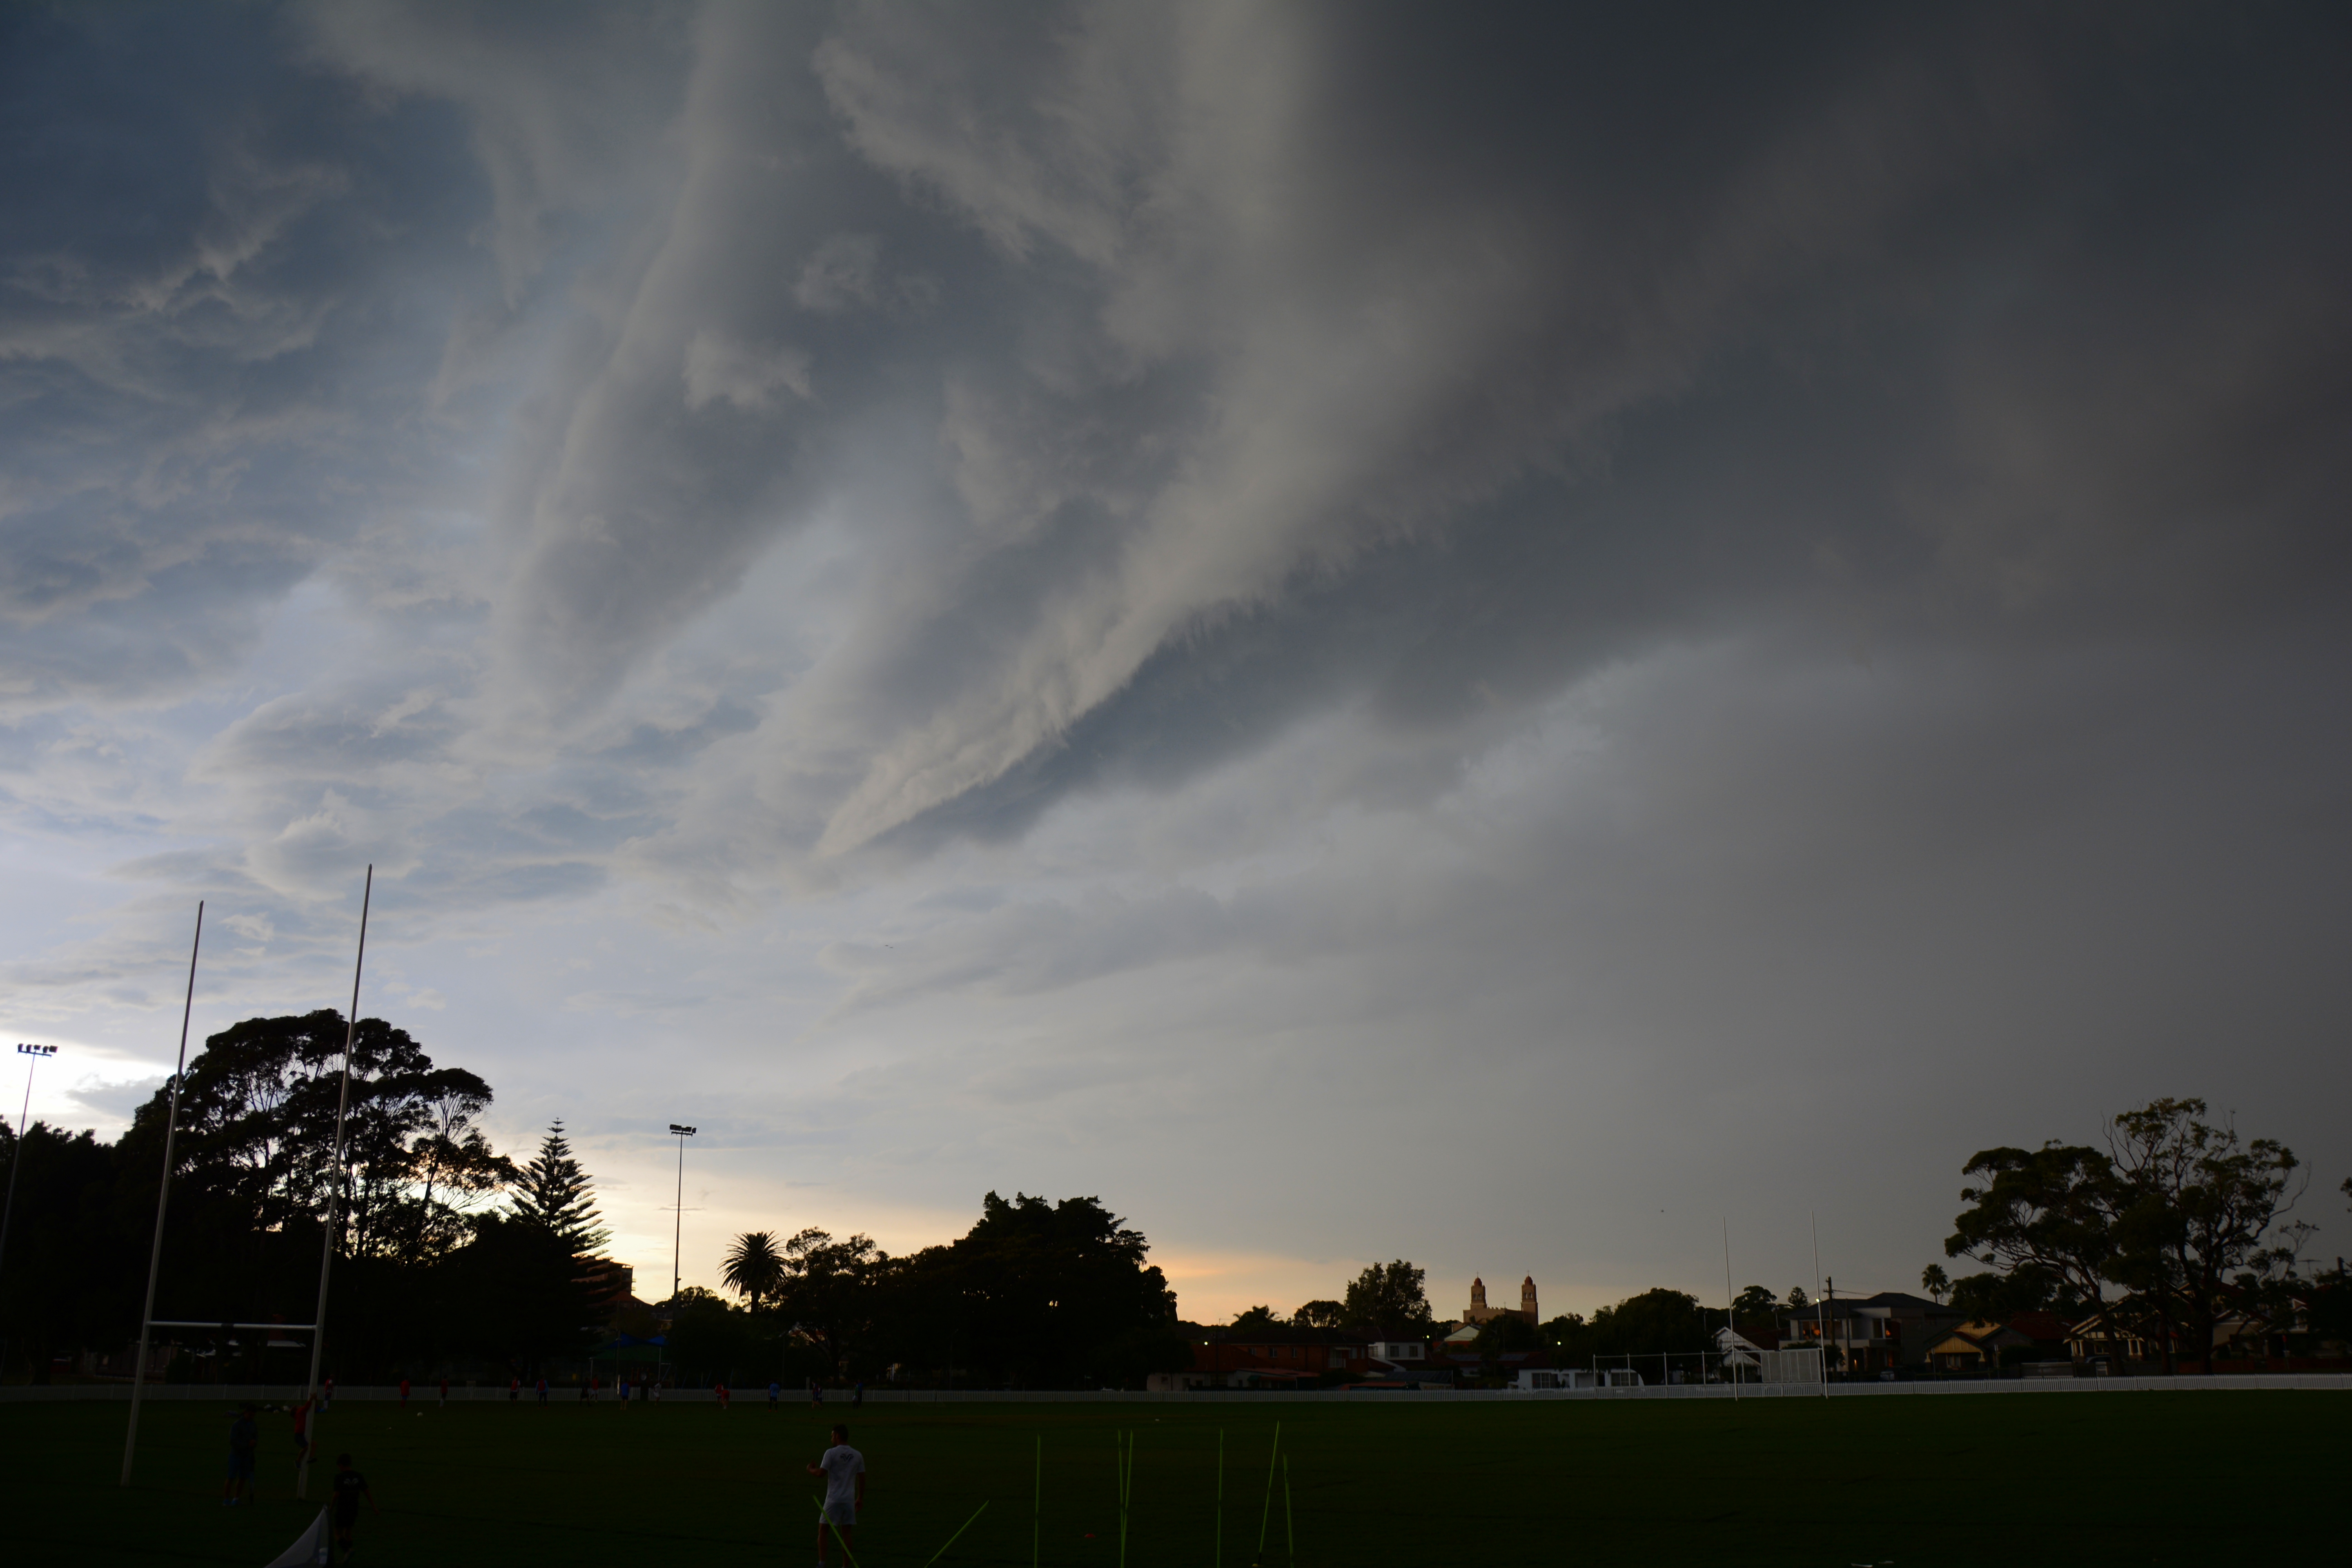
(244, 1438)
(844, 1469)
(350, 1487)
(404, 1394)
(444, 1391)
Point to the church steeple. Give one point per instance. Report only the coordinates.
(1477, 1294)
(1528, 1299)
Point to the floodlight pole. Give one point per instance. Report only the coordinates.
(334, 1191)
(678, 1231)
(16, 1159)
(39, 1054)
(163, 1197)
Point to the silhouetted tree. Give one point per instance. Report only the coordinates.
(553, 1193)
(1390, 1296)
(753, 1268)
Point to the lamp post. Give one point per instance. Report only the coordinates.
(38, 1053)
(16, 1158)
(678, 1233)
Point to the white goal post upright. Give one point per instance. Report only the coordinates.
(334, 1191)
(1730, 1307)
(163, 1197)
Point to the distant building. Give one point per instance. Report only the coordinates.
(1480, 1314)
(1871, 1334)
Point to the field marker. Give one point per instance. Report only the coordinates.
(967, 1524)
(1124, 1467)
(1266, 1518)
(1289, 1535)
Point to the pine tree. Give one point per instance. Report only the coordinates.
(554, 1193)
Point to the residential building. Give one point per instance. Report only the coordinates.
(1986, 1346)
(1871, 1334)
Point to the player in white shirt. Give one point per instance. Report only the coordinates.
(844, 1469)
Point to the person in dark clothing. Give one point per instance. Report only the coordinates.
(244, 1438)
(350, 1487)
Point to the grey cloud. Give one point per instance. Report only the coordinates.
(1038, 946)
(1579, 536)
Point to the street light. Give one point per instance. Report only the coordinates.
(16, 1159)
(678, 1233)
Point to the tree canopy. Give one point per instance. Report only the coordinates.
(553, 1193)
(1391, 1296)
(2177, 1218)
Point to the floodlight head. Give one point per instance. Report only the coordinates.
(38, 1050)
(681, 1132)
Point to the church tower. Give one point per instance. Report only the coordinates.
(1477, 1312)
(1527, 1299)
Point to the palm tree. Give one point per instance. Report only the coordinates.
(752, 1267)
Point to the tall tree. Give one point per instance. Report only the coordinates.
(1045, 1294)
(1936, 1282)
(2047, 1212)
(1390, 1296)
(1321, 1314)
(828, 1288)
(2200, 1212)
(554, 1194)
(752, 1267)
(2182, 1215)
(1657, 1321)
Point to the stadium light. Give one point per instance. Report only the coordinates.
(678, 1232)
(38, 1053)
(17, 1157)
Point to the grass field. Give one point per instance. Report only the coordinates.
(2188, 1478)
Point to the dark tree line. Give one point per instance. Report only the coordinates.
(432, 1277)
(2172, 1227)
(1036, 1295)
(426, 1273)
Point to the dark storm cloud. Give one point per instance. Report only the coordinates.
(1183, 373)
(1628, 534)
(211, 276)
(1507, 346)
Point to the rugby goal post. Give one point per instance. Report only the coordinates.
(311, 1547)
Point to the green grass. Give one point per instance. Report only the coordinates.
(2191, 1478)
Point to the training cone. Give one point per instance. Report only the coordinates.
(310, 1547)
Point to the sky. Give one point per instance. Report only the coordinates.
(1548, 640)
